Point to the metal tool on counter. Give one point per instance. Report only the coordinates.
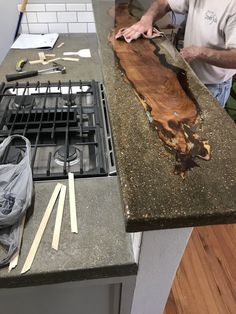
(55, 69)
(20, 64)
(83, 53)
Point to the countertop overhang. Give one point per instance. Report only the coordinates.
(153, 197)
(101, 249)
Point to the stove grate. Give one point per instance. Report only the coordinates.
(64, 117)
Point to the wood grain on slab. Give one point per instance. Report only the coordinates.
(164, 89)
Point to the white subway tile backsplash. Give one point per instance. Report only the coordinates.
(85, 17)
(24, 19)
(38, 28)
(76, 7)
(55, 7)
(58, 28)
(32, 17)
(67, 17)
(91, 28)
(35, 7)
(24, 28)
(77, 27)
(89, 7)
(47, 17)
(59, 17)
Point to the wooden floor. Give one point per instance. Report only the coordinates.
(205, 282)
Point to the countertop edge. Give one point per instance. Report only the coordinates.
(69, 276)
(141, 225)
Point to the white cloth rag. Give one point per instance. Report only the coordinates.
(155, 33)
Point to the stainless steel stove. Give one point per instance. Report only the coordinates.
(66, 123)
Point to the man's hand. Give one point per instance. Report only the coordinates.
(156, 11)
(143, 26)
(191, 53)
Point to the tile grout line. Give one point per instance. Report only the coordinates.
(86, 8)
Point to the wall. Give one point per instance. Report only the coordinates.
(63, 17)
(8, 21)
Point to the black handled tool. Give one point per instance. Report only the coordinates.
(17, 76)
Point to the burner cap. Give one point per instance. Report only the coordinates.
(69, 100)
(72, 158)
(23, 101)
(71, 153)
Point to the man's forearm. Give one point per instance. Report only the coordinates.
(157, 10)
(221, 58)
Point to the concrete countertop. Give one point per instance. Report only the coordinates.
(101, 248)
(85, 69)
(153, 197)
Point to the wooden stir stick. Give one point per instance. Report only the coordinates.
(57, 228)
(42, 226)
(73, 216)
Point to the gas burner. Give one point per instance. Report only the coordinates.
(23, 101)
(72, 159)
(66, 123)
(70, 100)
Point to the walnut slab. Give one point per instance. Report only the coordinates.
(162, 87)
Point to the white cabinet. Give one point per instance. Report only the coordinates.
(66, 298)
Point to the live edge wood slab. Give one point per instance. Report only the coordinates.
(164, 92)
(153, 196)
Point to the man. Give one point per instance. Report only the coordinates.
(210, 39)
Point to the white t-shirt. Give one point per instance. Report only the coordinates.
(212, 24)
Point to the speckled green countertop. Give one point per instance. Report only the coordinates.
(153, 197)
(101, 248)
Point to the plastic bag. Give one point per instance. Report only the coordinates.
(16, 189)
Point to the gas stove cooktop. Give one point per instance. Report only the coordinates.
(66, 123)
